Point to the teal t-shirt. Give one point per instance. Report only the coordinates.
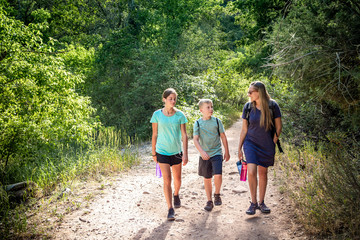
(169, 132)
(209, 136)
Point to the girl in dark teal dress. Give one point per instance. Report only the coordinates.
(258, 142)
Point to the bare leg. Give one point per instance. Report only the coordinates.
(262, 182)
(218, 182)
(166, 174)
(252, 177)
(208, 188)
(176, 170)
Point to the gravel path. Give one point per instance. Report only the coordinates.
(133, 207)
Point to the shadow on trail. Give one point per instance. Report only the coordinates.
(256, 228)
(203, 228)
(158, 233)
(254, 219)
(139, 233)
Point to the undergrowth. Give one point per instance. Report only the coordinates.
(324, 183)
(109, 153)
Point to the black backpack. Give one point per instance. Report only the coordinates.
(272, 110)
(217, 122)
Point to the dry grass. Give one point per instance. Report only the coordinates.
(325, 189)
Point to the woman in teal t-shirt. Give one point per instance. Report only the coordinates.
(169, 129)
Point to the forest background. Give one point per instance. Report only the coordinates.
(79, 81)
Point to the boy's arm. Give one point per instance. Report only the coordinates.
(203, 154)
(226, 146)
(184, 139)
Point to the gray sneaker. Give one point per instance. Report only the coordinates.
(252, 209)
(209, 206)
(217, 199)
(263, 208)
(171, 215)
(177, 202)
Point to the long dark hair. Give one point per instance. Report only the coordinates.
(265, 119)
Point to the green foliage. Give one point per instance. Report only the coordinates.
(256, 17)
(40, 16)
(39, 108)
(110, 151)
(4, 201)
(134, 67)
(316, 64)
(57, 55)
(325, 185)
(69, 21)
(314, 49)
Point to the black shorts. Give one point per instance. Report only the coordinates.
(208, 168)
(172, 159)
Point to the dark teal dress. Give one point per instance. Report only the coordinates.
(259, 147)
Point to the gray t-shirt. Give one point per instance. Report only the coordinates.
(209, 135)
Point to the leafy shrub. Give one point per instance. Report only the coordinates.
(325, 185)
(4, 201)
(40, 111)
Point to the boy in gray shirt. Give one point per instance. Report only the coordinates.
(208, 131)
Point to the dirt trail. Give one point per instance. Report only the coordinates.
(133, 207)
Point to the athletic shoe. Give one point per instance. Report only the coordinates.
(177, 202)
(171, 215)
(209, 206)
(263, 208)
(217, 200)
(252, 209)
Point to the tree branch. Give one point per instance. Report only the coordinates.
(286, 63)
(48, 53)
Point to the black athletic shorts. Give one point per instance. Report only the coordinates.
(172, 159)
(211, 167)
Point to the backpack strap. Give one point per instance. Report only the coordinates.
(247, 111)
(217, 122)
(273, 130)
(198, 125)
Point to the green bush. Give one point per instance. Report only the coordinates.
(4, 201)
(40, 111)
(109, 151)
(325, 186)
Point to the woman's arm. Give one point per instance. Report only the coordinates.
(184, 139)
(278, 127)
(243, 133)
(153, 140)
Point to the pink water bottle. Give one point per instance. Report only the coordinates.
(158, 171)
(243, 171)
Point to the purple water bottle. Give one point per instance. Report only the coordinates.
(158, 171)
(243, 171)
